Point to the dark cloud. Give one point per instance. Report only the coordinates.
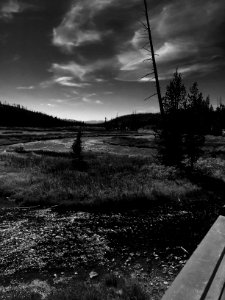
(72, 45)
(186, 34)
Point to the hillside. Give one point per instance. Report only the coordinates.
(213, 120)
(17, 115)
(133, 121)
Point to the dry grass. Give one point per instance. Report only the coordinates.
(100, 181)
(121, 289)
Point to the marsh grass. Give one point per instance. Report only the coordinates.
(103, 181)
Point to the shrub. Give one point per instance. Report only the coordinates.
(111, 280)
(19, 149)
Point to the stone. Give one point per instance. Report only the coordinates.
(93, 274)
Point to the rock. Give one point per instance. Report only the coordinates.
(119, 292)
(93, 274)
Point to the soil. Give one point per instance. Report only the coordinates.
(45, 244)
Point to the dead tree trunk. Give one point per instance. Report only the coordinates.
(148, 28)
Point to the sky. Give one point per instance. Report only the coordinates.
(85, 59)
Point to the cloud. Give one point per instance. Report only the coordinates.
(98, 102)
(88, 98)
(98, 24)
(63, 39)
(31, 87)
(131, 60)
(78, 75)
(79, 25)
(184, 36)
(90, 101)
(179, 18)
(67, 81)
(172, 51)
(71, 68)
(91, 95)
(9, 8)
(71, 33)
(105, 39)
(64, 81)
(60, 100)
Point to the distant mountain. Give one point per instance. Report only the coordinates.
(94, 122)
(17, 115)
(133, 121)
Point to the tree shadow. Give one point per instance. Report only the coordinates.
(207, 182)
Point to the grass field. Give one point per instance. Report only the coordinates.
(126, 198)
(100, 181)
(103, 180)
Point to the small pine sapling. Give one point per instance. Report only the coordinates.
(77, 146)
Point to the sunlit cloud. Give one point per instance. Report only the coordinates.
(132, 60)
(9, 8)
(77, 26)
(72, 68)
(171, 51)
(60, 100)
(64, 81)
(77, 75)
(68, 82)
(88, 98)
(62, 39)
(98, 102)
(31, 87)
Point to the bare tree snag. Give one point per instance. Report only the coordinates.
(148, 28)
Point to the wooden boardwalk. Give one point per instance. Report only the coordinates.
(203, 276)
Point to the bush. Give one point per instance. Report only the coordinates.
(19, 149)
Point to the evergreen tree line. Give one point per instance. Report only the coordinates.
(17, 115)
(133, 121)
(188, 118)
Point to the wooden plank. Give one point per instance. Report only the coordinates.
(195, 279)
(223, 294)
(216, 288)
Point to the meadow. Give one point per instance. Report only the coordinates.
(63, 218)
(99, 181)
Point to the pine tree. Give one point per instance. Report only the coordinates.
(175, 97)
(185, 124)
(77, 145)
(170, 138)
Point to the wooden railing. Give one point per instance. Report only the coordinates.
(203, 276)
